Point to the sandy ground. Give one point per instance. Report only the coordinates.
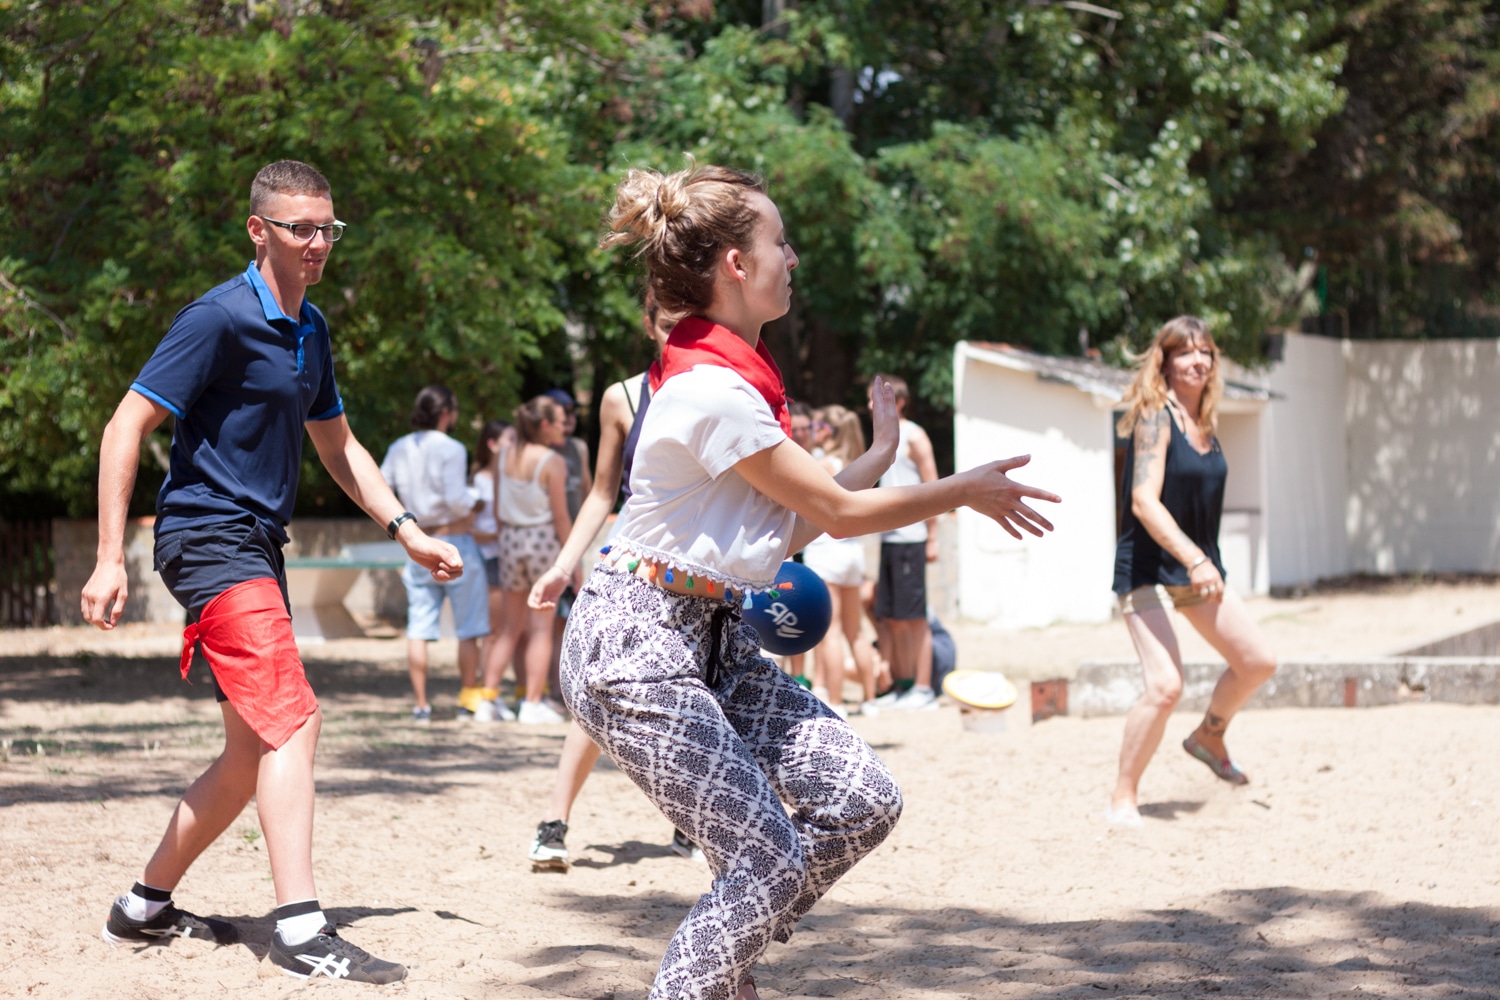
(1362, 861)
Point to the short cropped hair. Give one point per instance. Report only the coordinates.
(285, 177)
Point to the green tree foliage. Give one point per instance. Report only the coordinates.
(1022, 171)
(1398, 200)
(1072, 164)
(131, 136)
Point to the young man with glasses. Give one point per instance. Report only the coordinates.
(244, 370)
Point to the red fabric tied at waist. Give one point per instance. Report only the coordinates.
(247, 639)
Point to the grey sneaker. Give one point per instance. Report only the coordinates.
(494, 711)
(682, 846)
(169, 923)
(548, 852)
(422, 714)
(330, 956)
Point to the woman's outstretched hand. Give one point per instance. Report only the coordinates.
(1002, 498)
(885, 418)
(547, 589)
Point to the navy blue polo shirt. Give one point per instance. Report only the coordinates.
(242, 378)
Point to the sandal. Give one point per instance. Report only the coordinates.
(1224, 769)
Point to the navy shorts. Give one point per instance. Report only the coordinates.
(901, 590)
(198, 564)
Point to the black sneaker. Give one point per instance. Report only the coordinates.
(169, 923)
(326, 954)
(548, 852)
(684, 847)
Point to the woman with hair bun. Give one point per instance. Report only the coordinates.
(658, 666)
(1167, 555)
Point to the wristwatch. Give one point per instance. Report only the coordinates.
(398, 521)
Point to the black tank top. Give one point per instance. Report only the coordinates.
(1192, 490)
(627, 459)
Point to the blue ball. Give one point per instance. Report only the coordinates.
(797, 620)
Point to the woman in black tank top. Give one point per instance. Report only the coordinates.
(620, 415)
(1167, 556)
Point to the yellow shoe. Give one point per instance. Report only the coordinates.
(469, 698)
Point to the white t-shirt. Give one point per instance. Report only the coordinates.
(688, 508)
(428, 471)
(484, 521)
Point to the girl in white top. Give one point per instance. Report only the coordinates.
(840, 563)
(496, 436)
(531, 505)
(658, 665)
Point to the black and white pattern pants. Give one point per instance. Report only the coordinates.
(675, 690)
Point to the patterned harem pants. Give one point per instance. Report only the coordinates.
(719, 743)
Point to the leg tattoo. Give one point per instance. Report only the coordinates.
(1213, 725)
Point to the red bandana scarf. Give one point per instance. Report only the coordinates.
(696, 341)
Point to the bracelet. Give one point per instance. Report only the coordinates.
(398, 521)
(1200, 562)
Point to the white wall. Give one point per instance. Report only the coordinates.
(1065, 576)
(1307, 462)
(1423, 421)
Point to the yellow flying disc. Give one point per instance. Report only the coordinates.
(980, 689)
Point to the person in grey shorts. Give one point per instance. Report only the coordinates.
(901, 586)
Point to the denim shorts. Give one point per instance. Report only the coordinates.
(1159, 595)
(469, 594)
(198, 564)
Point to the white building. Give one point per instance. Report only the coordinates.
(1344, 456)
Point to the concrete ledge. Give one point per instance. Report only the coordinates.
(1111, 687)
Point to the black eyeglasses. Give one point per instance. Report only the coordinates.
(303, 232)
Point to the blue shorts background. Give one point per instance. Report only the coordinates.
(469, 593)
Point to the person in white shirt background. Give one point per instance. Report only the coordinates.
(427, 470)
(901, 589)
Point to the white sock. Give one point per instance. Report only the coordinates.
(138, 907)
(301, 922)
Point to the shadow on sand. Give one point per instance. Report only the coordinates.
(1235, 944)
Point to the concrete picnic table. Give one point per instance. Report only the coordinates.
(318, 585)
